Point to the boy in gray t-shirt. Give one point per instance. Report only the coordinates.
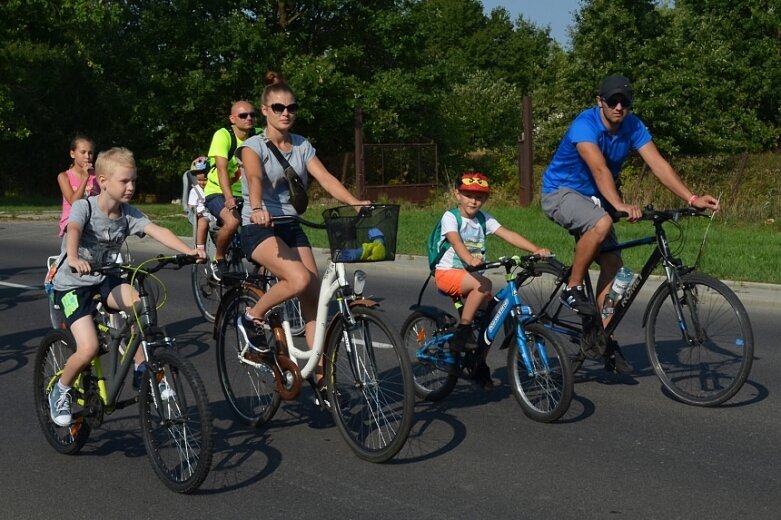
(96, 230)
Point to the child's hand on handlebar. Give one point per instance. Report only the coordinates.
(200, 253)
(80, 266)
(542, 252)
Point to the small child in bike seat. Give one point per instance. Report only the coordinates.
(96, 229)
(196, 200)
(466, 233)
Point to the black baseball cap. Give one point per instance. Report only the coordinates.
(612, 85)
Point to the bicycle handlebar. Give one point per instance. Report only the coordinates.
(526, 262)
(364, 211)
(180, 260)
(663, 215)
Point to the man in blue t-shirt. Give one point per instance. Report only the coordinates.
(580, 191)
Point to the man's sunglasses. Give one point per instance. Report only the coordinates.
(278, 108)
(615, 100)
(245, 115)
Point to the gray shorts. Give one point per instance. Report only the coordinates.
(576, 213)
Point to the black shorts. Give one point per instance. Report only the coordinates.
(79, 302)
(290, 233)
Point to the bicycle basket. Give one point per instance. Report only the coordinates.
(368, 235)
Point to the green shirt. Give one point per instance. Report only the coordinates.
(221, 147)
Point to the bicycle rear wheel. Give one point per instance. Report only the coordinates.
(712, 367)
(433, 380)
(540, 290)
(206, 290)
(247, 378)
(291, 308)
(177, 431)
(50, 359)
(544, 389)
(369, 385)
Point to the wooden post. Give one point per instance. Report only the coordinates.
(525, 171)
(360, 180)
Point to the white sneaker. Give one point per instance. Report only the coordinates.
(166, 392)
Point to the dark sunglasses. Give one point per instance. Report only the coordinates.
(278, 108)
(615, 100)
(245, 115)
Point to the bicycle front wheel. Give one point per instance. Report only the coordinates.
(544, 386)
(206, 290)
(369, 384)
(433, 379)
(705, 358)
(246, 378)
(176, 422)
(540, 290)
(50, 359)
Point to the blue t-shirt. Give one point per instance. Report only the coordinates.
(569, 170)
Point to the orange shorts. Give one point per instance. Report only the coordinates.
(449, 280)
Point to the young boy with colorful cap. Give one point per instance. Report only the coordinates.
(467, 236)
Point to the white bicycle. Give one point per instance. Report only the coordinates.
(368, 381)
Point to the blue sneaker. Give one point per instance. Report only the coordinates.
(138, 377)
(253, 332)
(60, 406)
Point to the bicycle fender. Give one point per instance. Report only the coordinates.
(364, 302)
(435, 313)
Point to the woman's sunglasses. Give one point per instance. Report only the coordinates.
(278, 108)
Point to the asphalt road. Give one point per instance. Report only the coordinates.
(624, 449)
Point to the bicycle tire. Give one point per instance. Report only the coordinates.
(714, 369)
(544, 285)
(546, 394)
(369, 386)
(247, 380)
(177, 432)
(291, 308)
(53, 351)
(206, 290)
(432, 381)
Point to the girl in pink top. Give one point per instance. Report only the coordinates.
(78, 182)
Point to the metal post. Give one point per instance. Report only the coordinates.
(359, 159)
(525, 162)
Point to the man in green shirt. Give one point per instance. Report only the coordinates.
(223, 183)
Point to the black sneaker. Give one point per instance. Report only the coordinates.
(575, 298)
(615, 361)
(463, 339)
(219, 267)
(482, 376)
(253, 332)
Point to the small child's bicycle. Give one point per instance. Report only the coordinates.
(368, 381)
(177, 430)
(537, 364)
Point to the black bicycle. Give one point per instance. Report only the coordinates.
(176, 422)
(698, 334)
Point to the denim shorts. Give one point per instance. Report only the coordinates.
(80, 302)
(290, 233)
(576, 213)
(215, 203)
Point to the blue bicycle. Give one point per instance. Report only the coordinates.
(538, 367)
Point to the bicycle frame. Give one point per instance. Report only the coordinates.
(508, 303)
(661, 254)
(334, 282)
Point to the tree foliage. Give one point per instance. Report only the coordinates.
(159, 76)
